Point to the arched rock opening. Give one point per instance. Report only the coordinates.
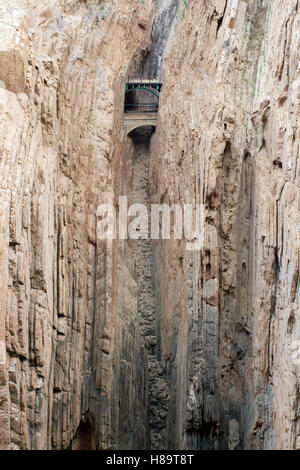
(85, 438)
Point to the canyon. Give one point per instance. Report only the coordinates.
(142, 344)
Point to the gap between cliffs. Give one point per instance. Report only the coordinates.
(148, 311)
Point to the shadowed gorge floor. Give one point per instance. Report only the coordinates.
(146, 299)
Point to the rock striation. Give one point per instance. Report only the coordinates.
(228, 138)
(128, 344)
(71, 364)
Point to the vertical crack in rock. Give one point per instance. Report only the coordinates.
(166, 11)
(146, 300)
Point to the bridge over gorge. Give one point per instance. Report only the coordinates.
(141, 103)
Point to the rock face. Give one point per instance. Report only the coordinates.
(71, 362)
(228, 138)
(164, 17)
(130, 344)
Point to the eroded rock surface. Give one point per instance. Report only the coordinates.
(228, 138)
(63, 67)
(201, 349)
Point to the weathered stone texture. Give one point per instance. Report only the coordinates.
(228, 137)
(76, 320)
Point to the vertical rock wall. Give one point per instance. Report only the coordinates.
(228, 138)
(74, 369)
(66, 366)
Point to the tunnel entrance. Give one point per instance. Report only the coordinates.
(142, 134)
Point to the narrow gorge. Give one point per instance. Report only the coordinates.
(135, 341)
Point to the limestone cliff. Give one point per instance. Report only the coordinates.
(126, 345)
(228, 137)
(62, 69)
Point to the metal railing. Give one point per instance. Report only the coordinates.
(151, 86)
(140, 108)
